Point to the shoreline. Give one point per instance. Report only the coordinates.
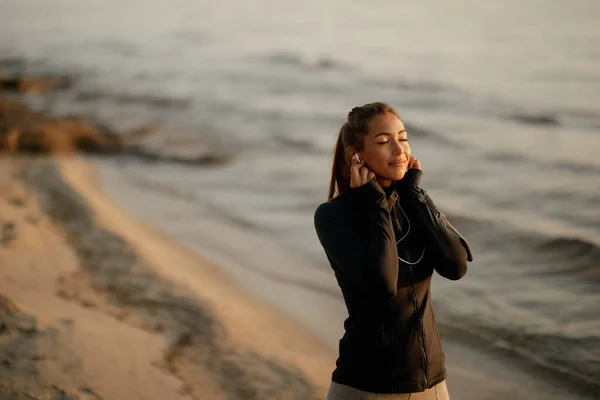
(208, 282)
(215, 338)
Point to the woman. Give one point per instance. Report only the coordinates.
(384, 237)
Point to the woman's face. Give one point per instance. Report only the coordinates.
(386, 151)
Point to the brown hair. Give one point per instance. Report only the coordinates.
(352, 135)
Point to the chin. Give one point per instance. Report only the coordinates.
(397, 175)
(394, 175)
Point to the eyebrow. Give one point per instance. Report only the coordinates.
(389, 134)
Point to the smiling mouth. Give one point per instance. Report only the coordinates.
(397, 163)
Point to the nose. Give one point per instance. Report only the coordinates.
(398, 148)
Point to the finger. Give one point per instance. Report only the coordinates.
(364, 172)
(412, 161)
(370, 176)
(355, 171)
(356, 164)
(354, 174)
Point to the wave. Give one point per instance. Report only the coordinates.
(535, 119)
(565, 259)
(192, 37)
(571, 245)
(121, 48)
(428, 134)
(425, 86)
(571, 256)
(17, 66)
(147, 99)
(593, 201)
(575, 356)
(430, 94)
(571, 118)
(580, 119)
(152, 155)
(561, 336)
(313, 145)
(568, 358)
(12, 64)
(301, 144)
(586, 118)
(574, 167)
(302, 60)
(513, 158)
(412, 85)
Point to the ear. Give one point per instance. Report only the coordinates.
(348, 154)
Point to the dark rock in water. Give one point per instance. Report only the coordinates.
(13, 113)
(325, 63)
(64, 136)
(536, 119)
(38, 85)
(141, 132)
(22, 130)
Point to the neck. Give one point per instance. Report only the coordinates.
(384, 183)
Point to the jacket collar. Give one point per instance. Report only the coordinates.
(391, 194)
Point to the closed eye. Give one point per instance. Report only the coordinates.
(400, 140)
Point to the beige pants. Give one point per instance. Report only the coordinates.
(343, 392)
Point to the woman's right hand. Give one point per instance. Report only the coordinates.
(359, 174)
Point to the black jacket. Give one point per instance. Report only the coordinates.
(391, 343)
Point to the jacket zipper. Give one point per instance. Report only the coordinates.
(421, 330)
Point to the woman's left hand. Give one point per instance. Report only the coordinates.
(414, 163)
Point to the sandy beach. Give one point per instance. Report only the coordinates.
(89, 314)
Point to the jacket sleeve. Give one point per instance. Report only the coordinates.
(449, 247)
(370, 261)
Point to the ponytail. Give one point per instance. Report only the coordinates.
(340, 172)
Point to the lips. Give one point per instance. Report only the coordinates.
(397, 163)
